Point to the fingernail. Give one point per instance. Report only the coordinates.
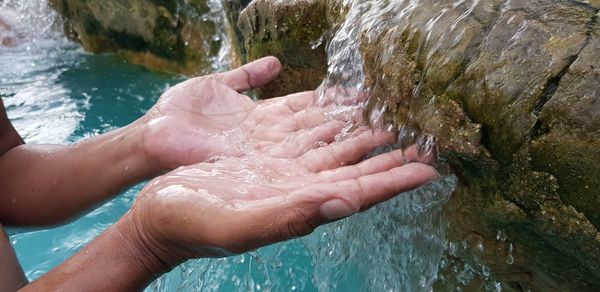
(336, 209)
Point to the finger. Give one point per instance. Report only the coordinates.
(342, 199)
(288, 135)
(307, 118)
(312, 206)
(346, 152)
(301, 143)
(305, 209)
(294, 122)
(379, 163)
(297, 112)
(313, 116)
(415, 153)
(251, 75)
(280, 112)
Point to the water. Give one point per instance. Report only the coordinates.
(56, 93)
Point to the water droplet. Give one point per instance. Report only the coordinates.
(501, 236)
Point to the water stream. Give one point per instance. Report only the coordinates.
(56, 93)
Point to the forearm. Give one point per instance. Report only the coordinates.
(9, 138)
(115, 261)
(45, 185)
(11, 274)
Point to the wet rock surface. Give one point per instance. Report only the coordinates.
(512, 92)
(172, 36)
(289, 30)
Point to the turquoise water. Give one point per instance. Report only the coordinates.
(56, 93)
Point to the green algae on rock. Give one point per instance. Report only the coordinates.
(287, 30)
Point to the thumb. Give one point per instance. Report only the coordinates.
(251, 75)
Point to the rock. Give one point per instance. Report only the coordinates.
(174, 36)
(567, 142)
(512, 92)
(520, 58)
(288, 30)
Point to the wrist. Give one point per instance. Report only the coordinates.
(132, 137)
(146, 254)
(117, 260)
(153, 145)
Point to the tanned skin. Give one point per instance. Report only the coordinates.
(11, 274)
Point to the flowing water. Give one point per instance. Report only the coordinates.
(56, 93)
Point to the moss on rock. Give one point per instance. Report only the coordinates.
(287, 30)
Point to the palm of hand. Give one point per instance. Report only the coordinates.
(207, 117)
(188, 126)
(278, 171)
(240, 203)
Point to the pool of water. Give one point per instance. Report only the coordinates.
(56, 93)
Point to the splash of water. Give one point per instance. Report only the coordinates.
(33, 22)
(355, 70)
(365, 23)
(223, 60)
(35, 58)
(397, 246)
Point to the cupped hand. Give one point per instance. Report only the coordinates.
(238, 204)
(208, 117)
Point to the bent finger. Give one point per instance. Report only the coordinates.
(379, 163)
(341, 96)
(294, 102)
(351, 196)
